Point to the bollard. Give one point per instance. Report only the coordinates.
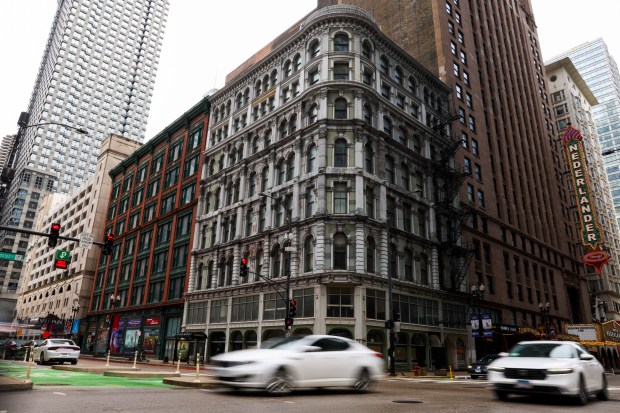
(197, 379)
(30, 359)
(451, 376)
(135, 359)
(178, 364)
(26, 356)
(107, 363)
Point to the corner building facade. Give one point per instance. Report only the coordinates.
(520, 227)
(338, 129)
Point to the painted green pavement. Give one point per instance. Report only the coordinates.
(41, 376)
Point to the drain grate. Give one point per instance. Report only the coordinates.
(406, 401)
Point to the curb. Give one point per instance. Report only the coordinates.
(189, 382)
(10, 384)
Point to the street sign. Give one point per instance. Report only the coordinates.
(9, 256)
(86, 240)
(63, 255)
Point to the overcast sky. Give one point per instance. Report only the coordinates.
(205, 40)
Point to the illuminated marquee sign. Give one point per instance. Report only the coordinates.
(591, 233)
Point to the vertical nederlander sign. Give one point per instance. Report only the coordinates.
(591, 234)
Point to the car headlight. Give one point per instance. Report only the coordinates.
(469, 367)
(496, 368)
(560, 371)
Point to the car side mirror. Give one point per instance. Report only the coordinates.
(586, 357)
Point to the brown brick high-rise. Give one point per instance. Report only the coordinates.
(524, 242)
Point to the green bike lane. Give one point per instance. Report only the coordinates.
(41, 376)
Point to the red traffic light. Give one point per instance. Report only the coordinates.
(109, 237)
(244, 261)
(243, 270)
(107, 244)
(61, 264)
(55, 227)
(54, 234)
(293, 303)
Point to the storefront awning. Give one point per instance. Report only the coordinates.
(191, 335)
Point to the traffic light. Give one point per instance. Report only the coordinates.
(244, 268)
(54, 234)
(107, 244)
(61, 264)
(292, 309)
(288, 321)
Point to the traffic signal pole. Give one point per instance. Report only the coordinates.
(43, 234)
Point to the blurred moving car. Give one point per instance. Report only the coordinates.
(56, 349)
(549, 367)
(301, 362)
(479, 368)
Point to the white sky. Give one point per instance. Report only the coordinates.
(206, 39)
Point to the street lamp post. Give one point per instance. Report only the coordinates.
(114, 303)
(288, 237)
(544, 316)
(74, 310)
(477, 293)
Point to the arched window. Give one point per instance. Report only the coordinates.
(314, 49)
(384, 65)
(367, 114)
(369, 193)
(290, 167)
(393, 261)
(341, 42)
(266, 82)
(221, 279)
(252, 189)
(369, 158)
(274, 78)
(366, 49)
(340, 153)
(419, 182)
(276, 261)
(211, 168)
(210, 274)
(340, 108)
(280, 172)
(389, 169)
(217, 200)
(228, 106)
(248, 222)
(240, 152)
(200, 279)
(387, 126)
(255, 145)
(398, 75)
(246, 96)
(287, 70)
(408, 265)
(417, 144)
(259, 263)
(313, 114)
(413, 85)
(221, 163)
(424, 269)
(340, 251)
(232, 157)
(283, 129)
(216, 115)
(208, 203)
(258, 88)
(308, 254)
(236, 189)
(404, 176)
(268, 138)
(293, 124)
(229, 270)
(229, 194)
(402, 135)
(264, 179)
(297, 62)
(371, 250)
(239, 100)
(311, 159)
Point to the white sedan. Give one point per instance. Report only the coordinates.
(56, 349)
(549, 367)
(301, 362)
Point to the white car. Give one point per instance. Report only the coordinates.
(548, 367)
(301, 362)
(56, 349)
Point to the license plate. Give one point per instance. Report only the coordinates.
(524, 384)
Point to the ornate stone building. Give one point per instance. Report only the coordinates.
(322, 151)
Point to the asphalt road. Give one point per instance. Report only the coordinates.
(390, 396)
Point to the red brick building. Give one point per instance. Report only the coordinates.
(137, 297)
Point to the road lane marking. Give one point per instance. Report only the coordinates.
(59, 393)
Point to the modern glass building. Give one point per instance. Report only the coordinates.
(96, 77)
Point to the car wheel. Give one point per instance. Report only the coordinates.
(279, 384)
(42, 359)
(501, 395)
(603, 394)
(363, 382)
(74, 362)
(582, 396)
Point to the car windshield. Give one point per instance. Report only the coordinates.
(65, 342)
(550, 350)
(488, 359)
(281, 343)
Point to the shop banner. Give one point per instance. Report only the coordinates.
(487, 325)
(474, 320)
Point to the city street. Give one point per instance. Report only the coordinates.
(391, 395)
